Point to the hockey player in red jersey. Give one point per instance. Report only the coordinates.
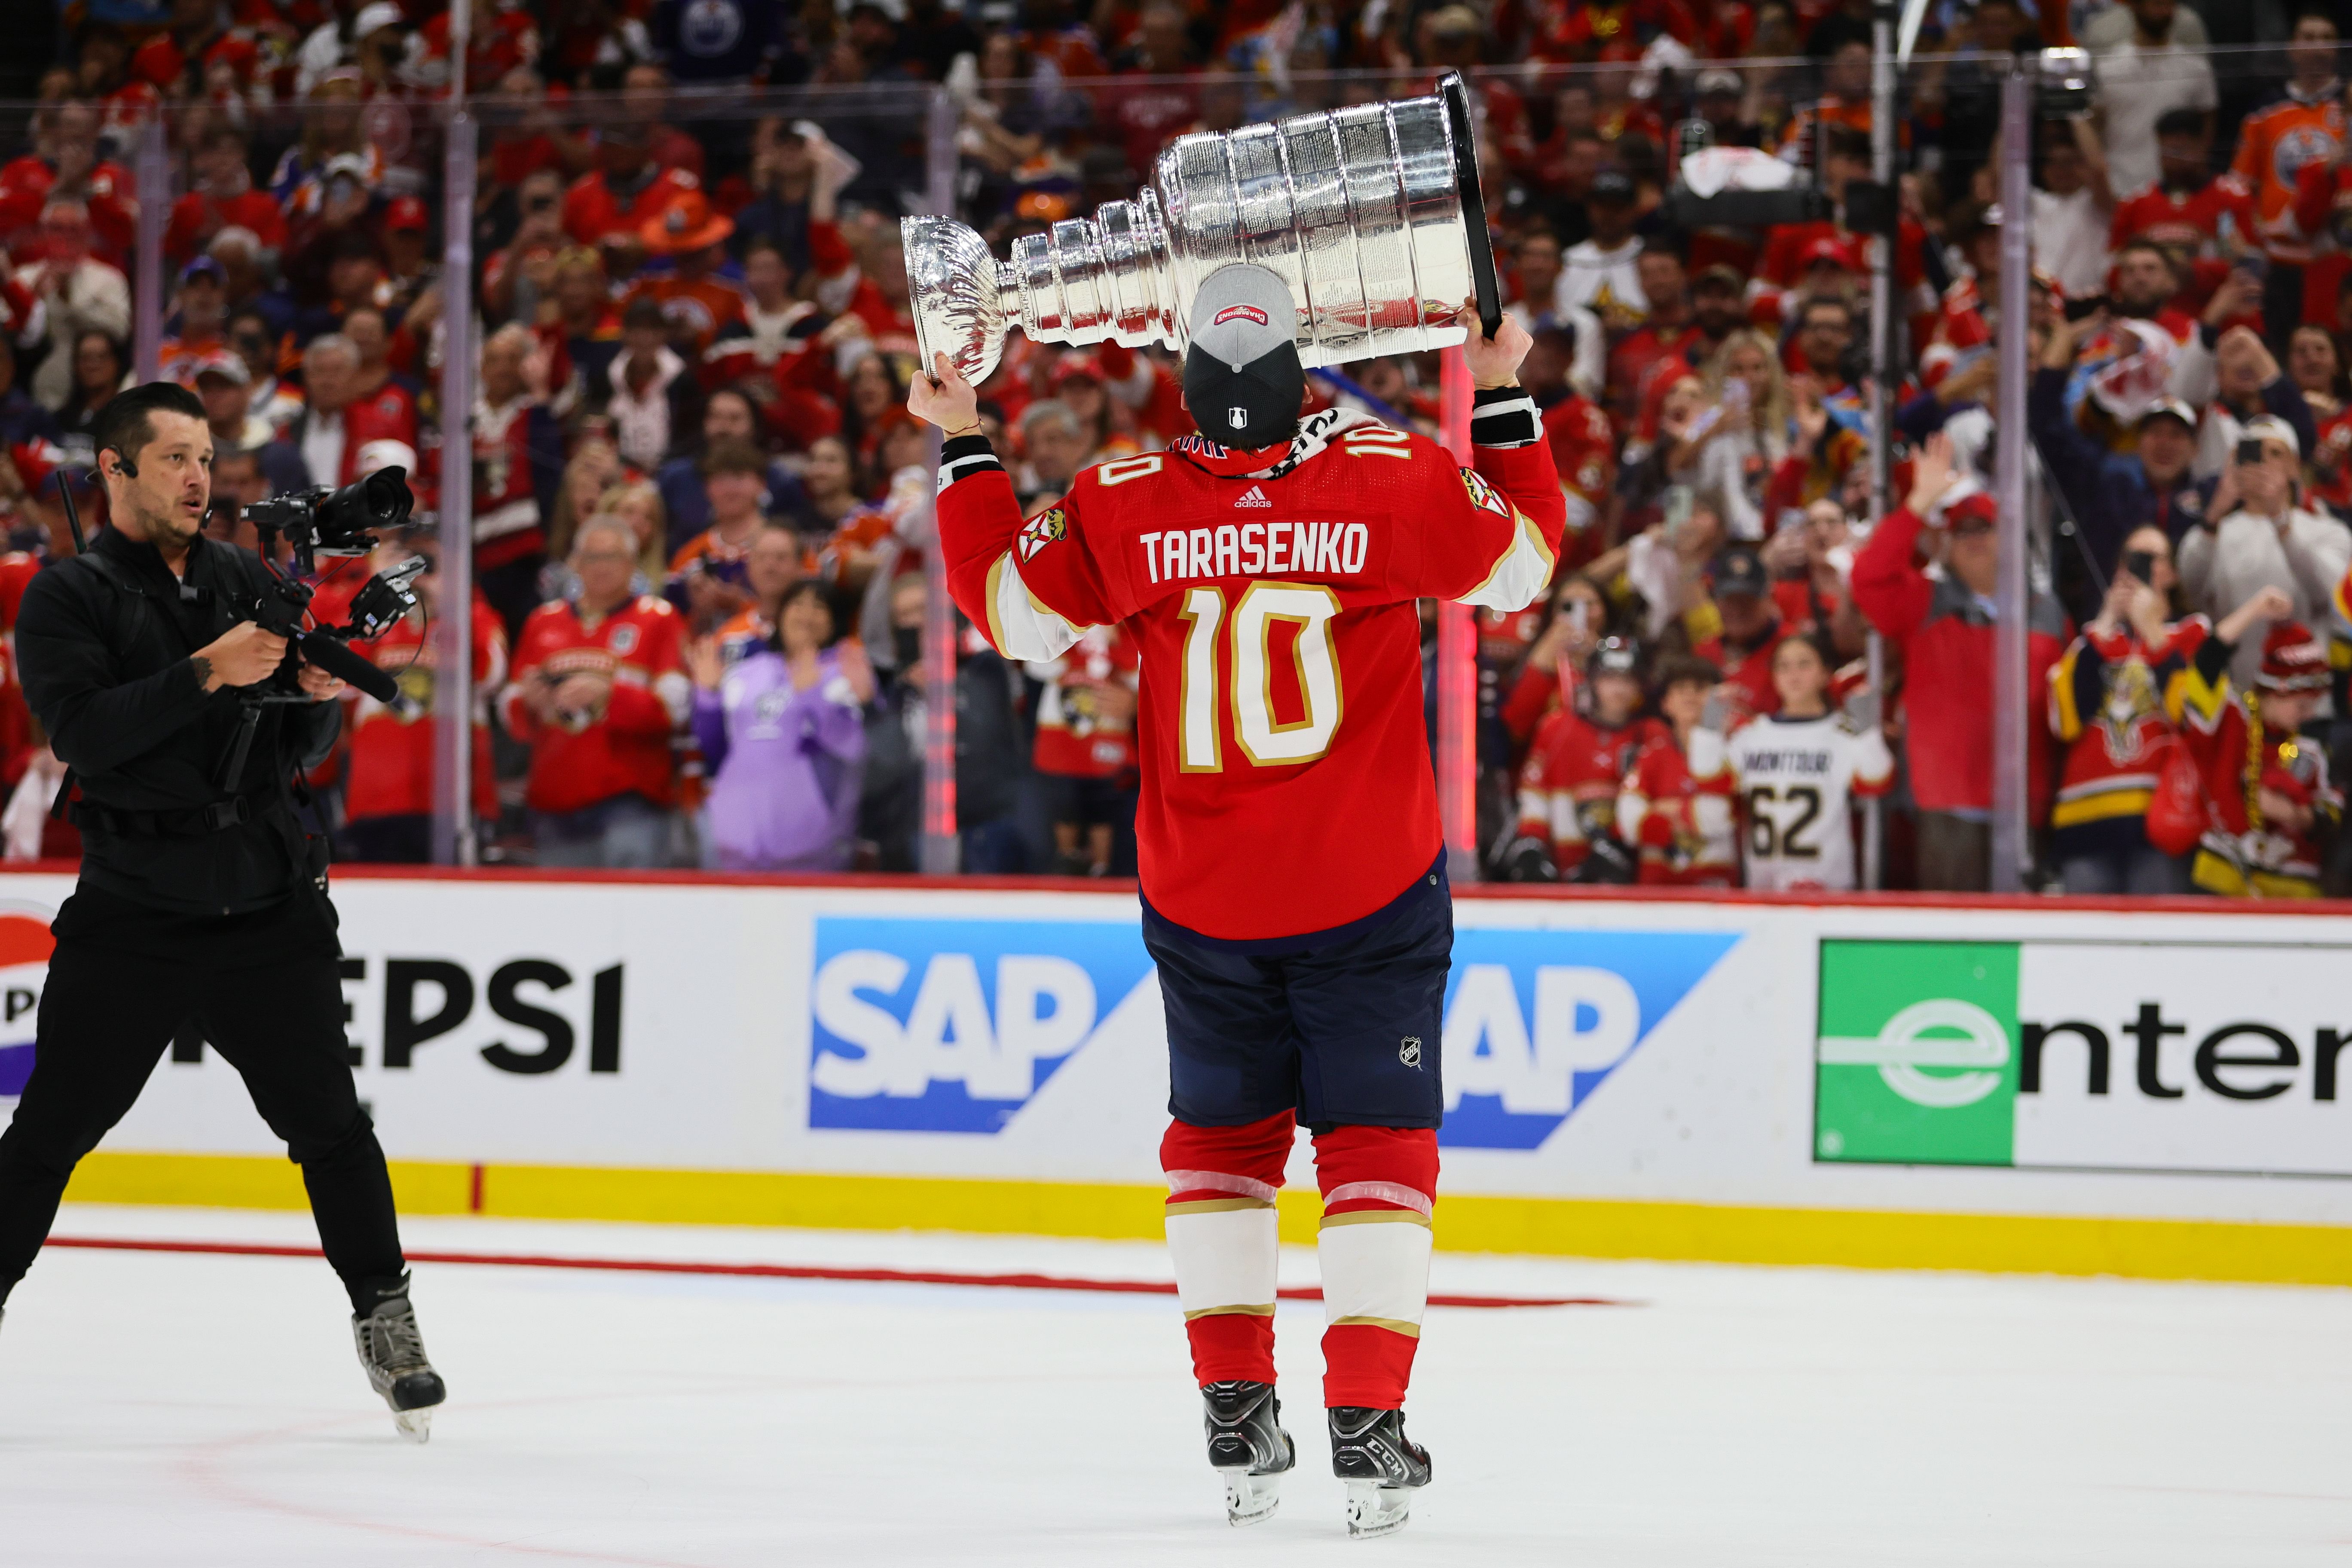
(1293, 886)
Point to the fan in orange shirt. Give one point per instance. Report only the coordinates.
(2305, 127)
(691, 293)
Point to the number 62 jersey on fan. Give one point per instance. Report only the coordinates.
(1286, 780)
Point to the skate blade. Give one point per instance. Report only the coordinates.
(1375, 1510)
(417, 1426)
(1250, 1500)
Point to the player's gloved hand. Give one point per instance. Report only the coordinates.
(945, 398)
(1494, 362)
(1527, 859)
(1607, 864)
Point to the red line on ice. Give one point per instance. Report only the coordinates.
(786, 1271)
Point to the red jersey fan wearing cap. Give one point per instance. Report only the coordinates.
(1293, 886)
(2266, 786)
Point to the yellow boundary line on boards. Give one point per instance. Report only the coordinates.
(2021, 1244)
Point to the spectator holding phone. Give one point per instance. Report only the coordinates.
(2239, 381)
(2116, 704)
(2267, 541)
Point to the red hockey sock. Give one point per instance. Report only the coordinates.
(1379, 1187)
(1221, 1232)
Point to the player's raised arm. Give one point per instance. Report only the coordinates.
(1494, 538)
(986, 540)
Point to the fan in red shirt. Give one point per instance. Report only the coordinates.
(67, 156)
(625, 192)
(1085, 742)
(223, 198)
(1750, 630)
(1666, 335)
(388, 800)
(599, 688)
(1292, 878)
(1585, 454)
(1790, 247)
(2191, 212)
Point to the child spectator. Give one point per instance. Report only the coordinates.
(1568, 787)
(1795, 774)
(784, 736)
(1085, 754)
(599, 688)
(2272, 800)
(1680, 825)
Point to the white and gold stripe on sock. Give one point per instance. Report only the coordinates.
(1375, 1261)
(1226, 1248)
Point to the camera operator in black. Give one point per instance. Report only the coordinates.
(201, 898)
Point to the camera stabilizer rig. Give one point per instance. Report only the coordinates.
(316, 522)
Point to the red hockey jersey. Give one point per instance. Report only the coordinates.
(1568, 785)
(1074, 740)
(627, 747)
(1682, 823)
(391, 761)
(1286, 781)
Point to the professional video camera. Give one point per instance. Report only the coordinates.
(331, 522)
(325, 522)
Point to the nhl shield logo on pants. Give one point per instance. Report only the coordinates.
(1409, 1051)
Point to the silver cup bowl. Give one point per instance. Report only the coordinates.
(1370, 213)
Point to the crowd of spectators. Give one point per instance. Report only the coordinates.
(700, 511)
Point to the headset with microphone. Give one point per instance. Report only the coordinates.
(122, 463)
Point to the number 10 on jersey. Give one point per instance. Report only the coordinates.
(1246, 633)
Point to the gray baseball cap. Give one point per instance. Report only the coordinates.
(1242, 380)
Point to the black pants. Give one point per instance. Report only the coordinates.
(263, 988)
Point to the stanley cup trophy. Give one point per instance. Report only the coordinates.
(1370, 213)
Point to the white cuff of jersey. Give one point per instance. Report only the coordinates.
(1019, 624)
(1503, 417)
(1524, 570)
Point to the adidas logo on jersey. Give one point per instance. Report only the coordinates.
(1254, 496)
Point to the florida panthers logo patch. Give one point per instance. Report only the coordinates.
(1043, 529)
(1483, 495)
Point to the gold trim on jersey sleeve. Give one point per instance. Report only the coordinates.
(1521, 572)
(1020, 625)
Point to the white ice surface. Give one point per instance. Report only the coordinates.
(192, 1411)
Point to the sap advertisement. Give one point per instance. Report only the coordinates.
(2173, 1064)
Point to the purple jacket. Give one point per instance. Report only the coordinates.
(784, 767)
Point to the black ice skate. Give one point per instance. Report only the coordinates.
(394, 1353)
(1247, 1446)
(1381, 1464)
